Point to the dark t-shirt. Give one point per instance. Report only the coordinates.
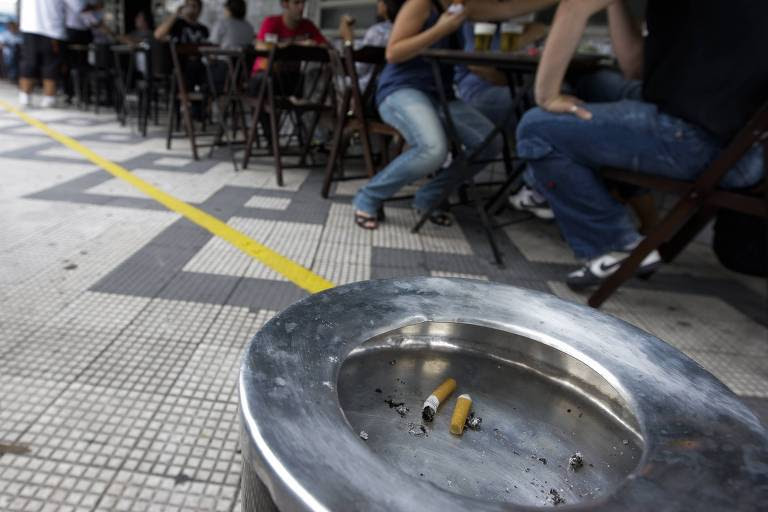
(185, 32)
(705, 61)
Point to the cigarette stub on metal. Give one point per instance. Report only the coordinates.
(436, 398)
(460, 413)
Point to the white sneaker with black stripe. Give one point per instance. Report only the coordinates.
(528, 200)
(596, 270)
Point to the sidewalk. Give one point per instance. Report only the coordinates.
(122, 323)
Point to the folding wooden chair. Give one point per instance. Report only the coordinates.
(351, 116)
(272, 99)
(698, 203)
(183, 55)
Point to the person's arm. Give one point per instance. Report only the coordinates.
(407, 38)
(346, 31)
(627, 39)
(567, 28)
(501, 10)
(163, 29)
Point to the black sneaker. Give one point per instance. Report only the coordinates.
(595, 271)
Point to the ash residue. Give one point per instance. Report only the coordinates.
(555, 497)
(428, 414)
(473, 422)
(378, 390)
(402, 410)
(417, 430)
(363, 435)
(542, 460)
(575, 461)
(393, 362)
(392, 404)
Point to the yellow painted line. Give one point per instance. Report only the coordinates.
(300, 276)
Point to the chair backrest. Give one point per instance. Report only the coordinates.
(183, 57)
(374, 55)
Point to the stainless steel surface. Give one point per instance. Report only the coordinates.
(656, 431)
(538, 408)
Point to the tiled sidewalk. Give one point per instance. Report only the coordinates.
(122, 324)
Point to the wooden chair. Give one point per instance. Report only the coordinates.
(697, 204)
(351, 113)
(275, 99)
(183, 56)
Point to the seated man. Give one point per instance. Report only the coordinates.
(702, 80)
(183, 26)
(290, 27)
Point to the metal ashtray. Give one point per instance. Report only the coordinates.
(578, 408)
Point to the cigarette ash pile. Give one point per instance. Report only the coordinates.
(555, 497)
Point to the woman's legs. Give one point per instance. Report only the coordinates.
(415, 116)
(472, 128)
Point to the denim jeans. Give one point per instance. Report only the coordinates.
(565, 152)
(494, 103)
(419, 119)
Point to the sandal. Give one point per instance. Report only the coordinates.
(438, 217)
(365, 221)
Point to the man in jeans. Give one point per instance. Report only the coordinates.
(703, 77)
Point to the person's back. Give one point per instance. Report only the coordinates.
(705, 61)
(232, 33)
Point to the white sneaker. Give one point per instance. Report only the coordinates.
(528, 200)
(48, 102)
(596, 270)
(24, 99)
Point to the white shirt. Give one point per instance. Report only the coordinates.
(47, 17)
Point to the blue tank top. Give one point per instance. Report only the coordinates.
(416, 73)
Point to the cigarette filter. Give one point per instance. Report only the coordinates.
(436, 398)
(460, 413)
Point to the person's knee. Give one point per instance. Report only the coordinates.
(431, 152)
(534, 134)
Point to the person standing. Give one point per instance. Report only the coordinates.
(43, 29)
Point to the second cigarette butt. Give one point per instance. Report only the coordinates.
(460, 413)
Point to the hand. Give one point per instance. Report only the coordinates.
(565, 104)
(449, 22)
(348, 20)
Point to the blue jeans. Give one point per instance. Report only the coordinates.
(418, 118)
(565, 152)
(494, 102)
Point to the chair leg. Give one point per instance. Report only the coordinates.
(332, 158)
(672, 248)
(679, 214)
(273, 115)
(190, 127)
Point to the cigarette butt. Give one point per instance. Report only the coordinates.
(460, 413)
(436, 398)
